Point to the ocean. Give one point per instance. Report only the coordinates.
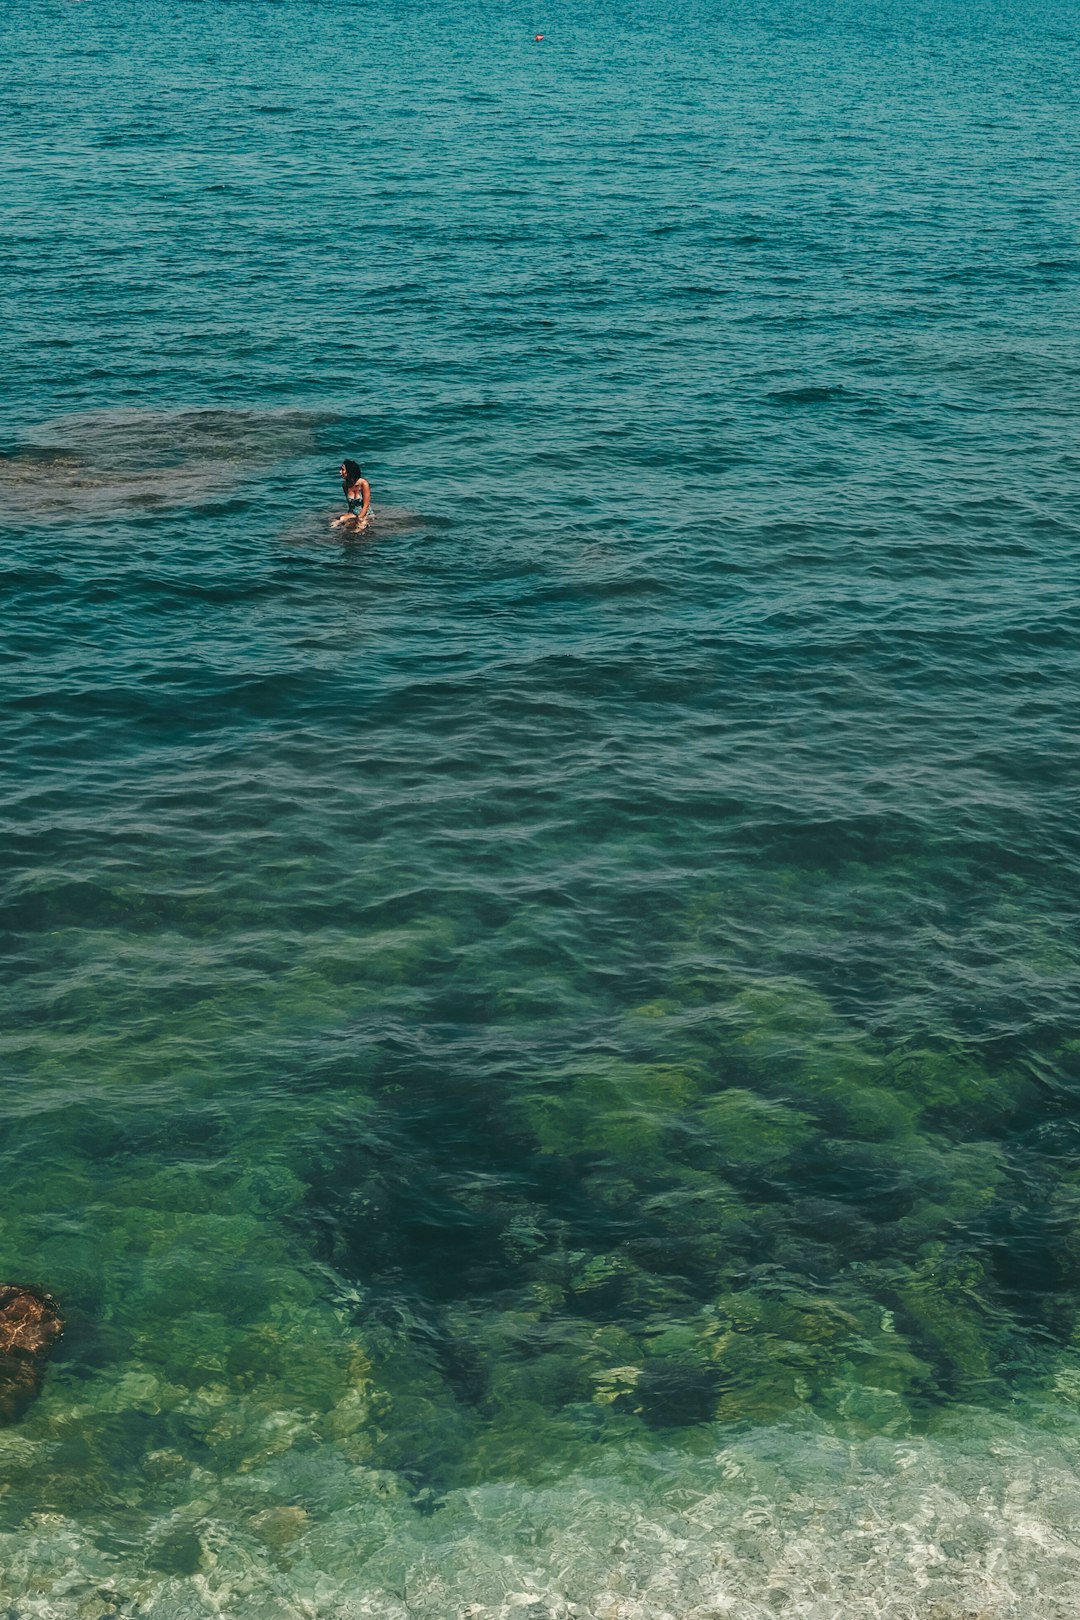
(542, 1061)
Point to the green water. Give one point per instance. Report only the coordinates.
(541, 1049)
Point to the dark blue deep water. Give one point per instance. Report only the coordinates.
(542, 1058)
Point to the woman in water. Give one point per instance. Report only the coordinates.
(357, 492)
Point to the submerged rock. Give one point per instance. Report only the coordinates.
(30, 1324)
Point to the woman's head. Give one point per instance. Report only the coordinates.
(350, 472)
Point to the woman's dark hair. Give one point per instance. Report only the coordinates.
(352, 472)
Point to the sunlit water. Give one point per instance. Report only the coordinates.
(541, 1047)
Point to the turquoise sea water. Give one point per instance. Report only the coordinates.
(541, 1048)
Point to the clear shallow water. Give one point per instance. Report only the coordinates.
(541, 1049)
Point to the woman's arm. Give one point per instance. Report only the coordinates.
(365, 494)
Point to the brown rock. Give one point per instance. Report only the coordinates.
(30, 1324)
(278, 1526)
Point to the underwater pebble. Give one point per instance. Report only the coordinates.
(280, 1526)
(350, 1414)
(135, 1391)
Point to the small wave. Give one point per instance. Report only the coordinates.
(386, 521)
(126, 438)
(809, 394)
